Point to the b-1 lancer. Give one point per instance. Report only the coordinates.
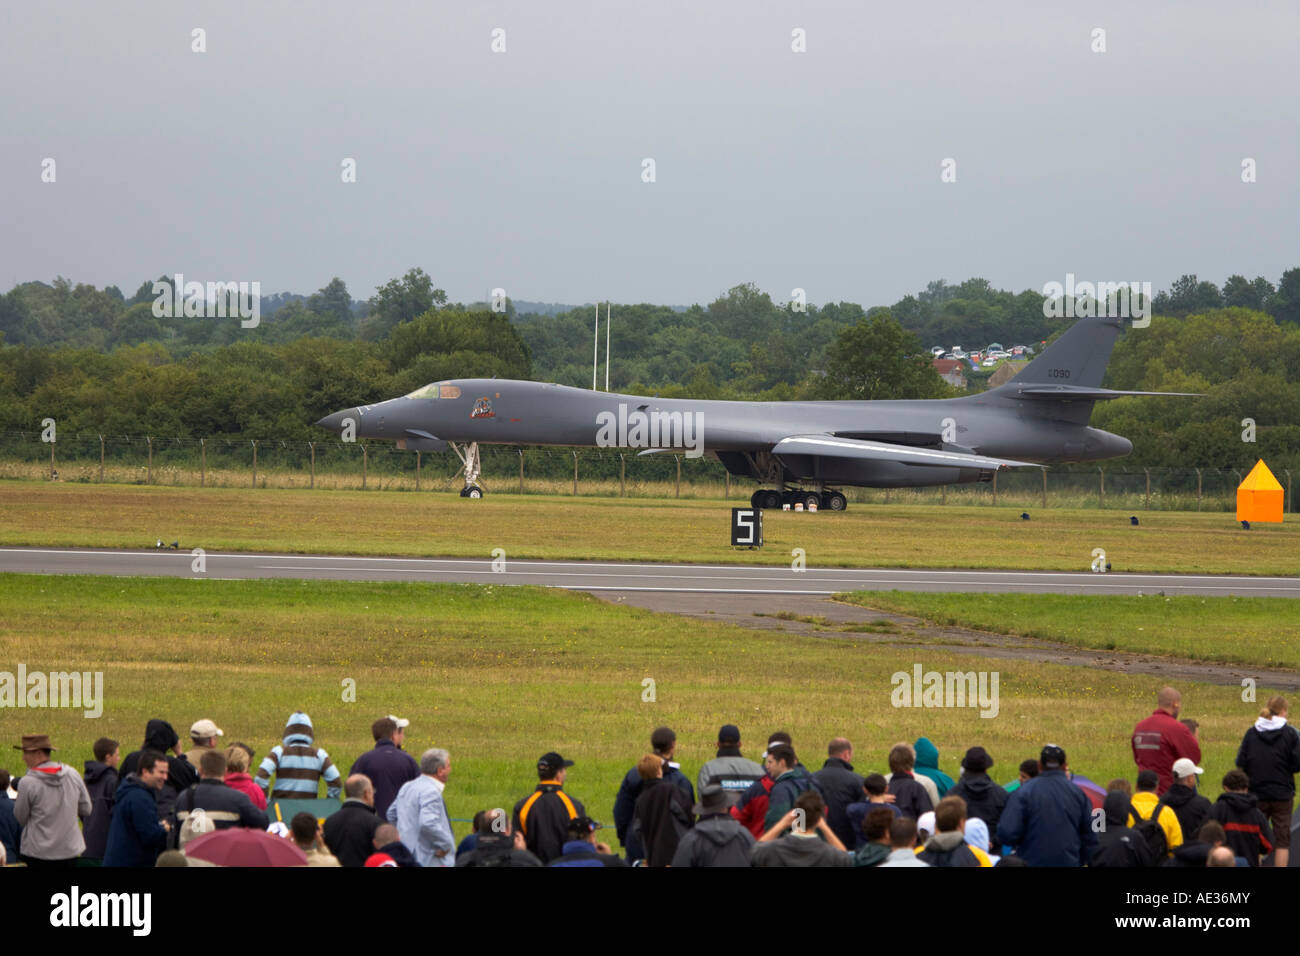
(798, 452)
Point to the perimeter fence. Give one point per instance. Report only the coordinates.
(593, 472)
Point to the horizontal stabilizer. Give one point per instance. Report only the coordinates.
(1080, 393)
(832, 446)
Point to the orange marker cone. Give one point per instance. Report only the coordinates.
(1259, 497)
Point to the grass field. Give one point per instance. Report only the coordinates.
(500, 675)
(1261, 631)
(527, 526)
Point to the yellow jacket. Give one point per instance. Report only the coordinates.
(1144, 802)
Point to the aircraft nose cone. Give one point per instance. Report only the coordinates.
(335, 422)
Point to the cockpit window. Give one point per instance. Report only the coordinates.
(449, 391)
(428, 391)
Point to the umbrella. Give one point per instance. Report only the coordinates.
(1095, 792)
(240, 846)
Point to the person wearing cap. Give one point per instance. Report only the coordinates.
(751, 811)
(1048, 820)
(663, 742)
(581, 848)
(1190, 807)
(51, 799)
(1270, 756)
(1161, 739)
(387, 765)
(543, 816)
(203, 737)
(730, 770)
(840, 787)
(420, 812)
(984, 798)
(717, 839)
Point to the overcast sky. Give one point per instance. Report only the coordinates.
(523, 169)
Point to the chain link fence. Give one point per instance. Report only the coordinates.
(229, 462)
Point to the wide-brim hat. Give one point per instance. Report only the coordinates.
(35, 742)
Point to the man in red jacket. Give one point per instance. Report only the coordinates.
(1161, 739)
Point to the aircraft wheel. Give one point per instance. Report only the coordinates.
(810, 499)
(834, 501)
(769, 499)
(756, 499)
(473, 491)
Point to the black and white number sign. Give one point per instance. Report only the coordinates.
(746, 528)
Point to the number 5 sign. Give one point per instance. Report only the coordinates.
(746, 528)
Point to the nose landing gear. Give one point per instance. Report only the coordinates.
(470, 461)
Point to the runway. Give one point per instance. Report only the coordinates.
(630, 577)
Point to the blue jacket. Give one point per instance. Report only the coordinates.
(135, 836)
(11, 832)
(625, 805)
(1048, 820)
(388, 769)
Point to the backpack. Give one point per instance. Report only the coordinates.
(1151, 832)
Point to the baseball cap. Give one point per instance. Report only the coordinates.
(552, 763)
(729, 734)
(1185, 768)
(1052, 756)
(402, 723)
(583, 824)
(205, 728)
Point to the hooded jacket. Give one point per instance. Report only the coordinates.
(160, 736)
(792, 849)
(10, 832)
(716, 840)
(785, 791)
(664, 815)
(244, 784)
(927, 765)
(298, 765)
(51, 798)
(495, 849)
(840, 787)
(135, 837)
(629, 791)
(984, 798)
(1246, 826)
(101, 785)
(1189, 807)
(871, 854)
(1118, 845)
(1049, 822)
(1270, 755)
(948, 849)
(751, 811)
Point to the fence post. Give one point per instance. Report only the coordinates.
(679, 475)
(1287, 472)
(622, 476)
(1147, 506)
(943, 494)
(101, 459)
(53, 470)
(995, 489)
(1230, 494)
(418, 453)
(1101, 487)
(312, 446)
(575, 474)
(148, 478)
(521, 471)
(1044, 487)
(726, 484)
(1198, 489)
(365, 463)
(254, 462)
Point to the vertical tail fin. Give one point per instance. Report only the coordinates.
(1079, 357)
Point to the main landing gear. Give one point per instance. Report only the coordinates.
(770, 498)
(470, 460)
